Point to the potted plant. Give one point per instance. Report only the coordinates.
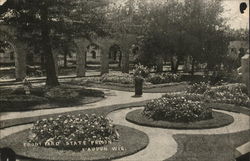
(140, 73)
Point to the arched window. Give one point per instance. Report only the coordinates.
(93, 54)
(12, 55)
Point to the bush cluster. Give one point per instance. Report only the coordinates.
(59, 94)
(163, 78)
(198, 88)
(177, 109)
(229, 94)
(83, 130)
(122, 78)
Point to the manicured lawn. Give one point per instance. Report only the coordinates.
(209, 147)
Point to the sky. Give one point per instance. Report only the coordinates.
(231, 11)
(236, 19)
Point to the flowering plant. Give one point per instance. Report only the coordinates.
(163, 78)
(123, 78)
(198, 88)
(82, 130)
(177, 109)
(140, 72)
(228, 94)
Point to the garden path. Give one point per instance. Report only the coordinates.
(162, 144)
(113, 97)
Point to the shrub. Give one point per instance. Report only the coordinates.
(198, 88)
(19, 102)
(228, 94)
(123, 78)
(177, 109)
(84, 130)
(163, 78)
(187, 96)
(61, 95)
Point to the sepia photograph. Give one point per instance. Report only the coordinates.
(124, 80)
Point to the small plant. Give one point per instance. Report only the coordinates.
(73, 132)
(141, 72)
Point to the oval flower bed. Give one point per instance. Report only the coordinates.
(91, 130)
(70, 137)
(177, 109)
(178, 112)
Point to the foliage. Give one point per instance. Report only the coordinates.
(59, 94)
(89, 130)
(140, 71)
(177, 109)
(198, 88)
(189, 28)
(229, 94)
(122, 78)
(47, 24)
(188, 96)
(163, 78)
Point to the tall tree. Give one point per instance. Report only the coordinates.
(47, 20)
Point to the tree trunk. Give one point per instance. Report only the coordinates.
(65, 59)
(125, 62)
(20, 61)
(159, 66)
(192, 67)
(80, 58)
(174, 64)
(104, 61)
(51, 79)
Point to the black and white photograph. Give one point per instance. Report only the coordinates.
(124, 80)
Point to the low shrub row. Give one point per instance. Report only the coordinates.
(163, 78)
(122, 78)
(231, 94)
(177, 109)
(83, 130)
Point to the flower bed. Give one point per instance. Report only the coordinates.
(163, 78)
(130, 142)
(177, 109)
(198, 88)
(90, 130)
(219, 119)
(122, 78)
(228, 94)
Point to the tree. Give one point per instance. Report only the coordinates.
(46, 20)
(190, 28)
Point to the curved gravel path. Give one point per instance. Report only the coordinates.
(113, 97)
(162, 144)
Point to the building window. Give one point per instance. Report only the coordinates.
(93, 54)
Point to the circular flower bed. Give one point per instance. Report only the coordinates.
(130, 142)
(86, 130)
(219, 119)
(176, 109)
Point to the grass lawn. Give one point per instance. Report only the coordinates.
(209, 147)
(16, 100)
